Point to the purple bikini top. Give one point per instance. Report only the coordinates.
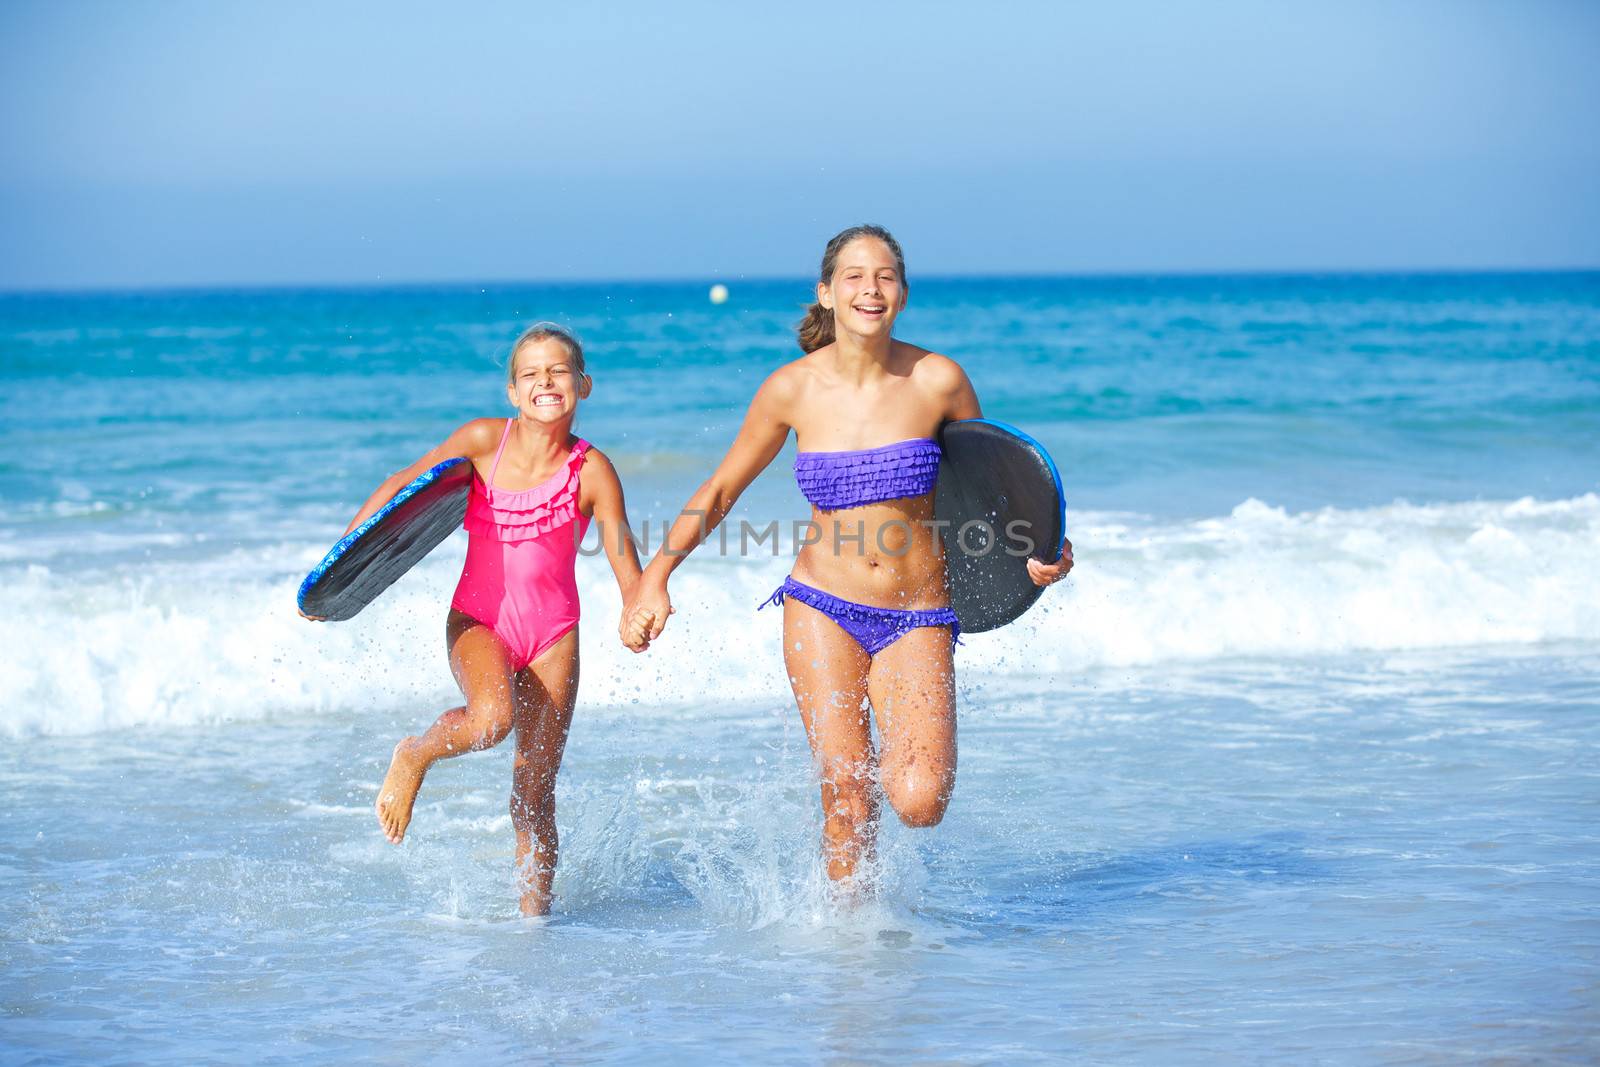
(834, 480)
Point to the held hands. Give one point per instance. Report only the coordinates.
(1050, 573)
(644, 617)
(635, 630)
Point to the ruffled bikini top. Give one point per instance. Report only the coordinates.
(834, 480)
(518, 516)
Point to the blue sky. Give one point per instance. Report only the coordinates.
(291, 143)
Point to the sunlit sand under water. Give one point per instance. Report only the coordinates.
(1358, 859)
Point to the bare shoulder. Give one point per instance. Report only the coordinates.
(477, 437)
(596, 462)
(945, 384)
(598, 483)
(934, 370)
(783, 390)
(789, 380)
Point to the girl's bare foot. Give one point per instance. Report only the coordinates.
(399, 789)
(535, 905)
(533, 879)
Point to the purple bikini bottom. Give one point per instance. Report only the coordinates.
(874, 629)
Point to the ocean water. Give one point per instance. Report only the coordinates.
(1302, 764)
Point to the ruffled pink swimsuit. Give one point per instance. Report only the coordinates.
(520, 578)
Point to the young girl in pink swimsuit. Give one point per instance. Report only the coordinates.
(512, 631)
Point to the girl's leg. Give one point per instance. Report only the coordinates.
(828, 671)
(481, 664)
(912, 686)
(545, 694)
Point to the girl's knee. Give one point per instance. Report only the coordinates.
(490, 719)
(919, 797)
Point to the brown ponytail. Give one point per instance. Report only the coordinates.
(816, 329)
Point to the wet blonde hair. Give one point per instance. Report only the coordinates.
(546, 331)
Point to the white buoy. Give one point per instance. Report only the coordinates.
(719, 294)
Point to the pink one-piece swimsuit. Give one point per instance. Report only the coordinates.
(520, 578)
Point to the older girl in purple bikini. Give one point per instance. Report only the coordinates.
(866, 616)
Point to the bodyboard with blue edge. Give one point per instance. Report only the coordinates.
(368, 559)
(998, 492)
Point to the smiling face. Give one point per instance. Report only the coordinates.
(867, 291)
(546, 384)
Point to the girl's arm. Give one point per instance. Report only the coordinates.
(961, 402)
(601, 497)
(760, 439)
(472, 440)
(958, 398)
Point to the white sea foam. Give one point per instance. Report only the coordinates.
(1262, 581)
(206, 642)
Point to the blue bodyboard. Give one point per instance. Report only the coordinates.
(999, 499)
(368, 559)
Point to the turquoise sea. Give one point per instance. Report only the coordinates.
(1302, 765)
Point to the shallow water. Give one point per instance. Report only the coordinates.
(1371, 858)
